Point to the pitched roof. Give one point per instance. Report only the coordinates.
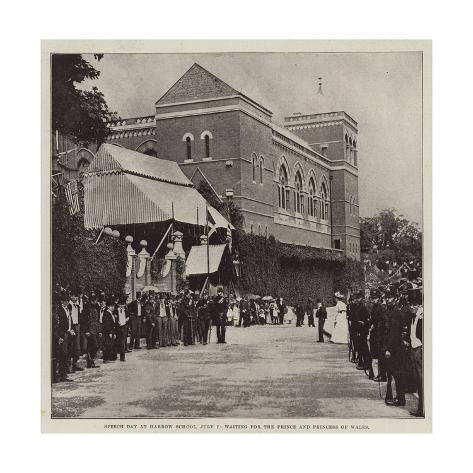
(197, 83)
(200, 84)
(124, 187)
(111, 157)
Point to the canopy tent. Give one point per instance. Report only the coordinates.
(126, 187)
(196, 262)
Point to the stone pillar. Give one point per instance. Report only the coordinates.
(144, 258)
(177, 248)
(133, 277)
(172, 257)
(130, 269)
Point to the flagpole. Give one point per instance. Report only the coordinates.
(208, 243)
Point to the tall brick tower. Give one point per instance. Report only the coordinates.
(334, 135)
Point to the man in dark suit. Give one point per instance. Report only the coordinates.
(90, 326)
(183, 311)
(244, 308)
(61, 331)
(378, 323)
(151, 323)
(221, 308)
(395, 347)
(321, 314)
(74, 334)
(310, 312)
(362, 329)
(135, 311)
(281, 309)
(299, 315)
(416, 336)
(109, 332)
(204, 314)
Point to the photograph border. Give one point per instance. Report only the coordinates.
(233, 425)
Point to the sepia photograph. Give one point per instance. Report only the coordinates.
(235, 236)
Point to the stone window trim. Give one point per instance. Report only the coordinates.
(188, 135)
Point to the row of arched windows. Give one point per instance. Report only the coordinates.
(257, 168)
(351, 150)
(188, 138)
(260, 229)
(317, 202)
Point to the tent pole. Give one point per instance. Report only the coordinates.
(203, 287)
(161, 242)
(100, 234)
(208, 243)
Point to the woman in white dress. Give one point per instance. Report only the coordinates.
(340, 328)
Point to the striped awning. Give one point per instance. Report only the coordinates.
(116, 193)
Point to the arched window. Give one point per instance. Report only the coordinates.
(254, 163)
(207, 146)
(188, 148)
(283, 189)
(323, 202)
(350, 156)
(206, 136)
(347, 148)
(355, 154)
(298, 201)
(311, 200)
(261, 169)
(188, 138)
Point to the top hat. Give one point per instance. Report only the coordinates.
(110, 301)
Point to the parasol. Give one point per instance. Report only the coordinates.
(150, 288)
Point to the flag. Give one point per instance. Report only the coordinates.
(211, 226)
(72, 196)
(229, 238)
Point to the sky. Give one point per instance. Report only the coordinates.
(381, 91)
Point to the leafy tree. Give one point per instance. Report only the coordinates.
(79, 114)
(78, 263)
(389, 239)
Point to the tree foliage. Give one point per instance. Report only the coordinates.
(389, 238)
(77, 262)
(295, 273)
(79, 114)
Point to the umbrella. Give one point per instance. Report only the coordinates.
(267, 298)
(150, 288)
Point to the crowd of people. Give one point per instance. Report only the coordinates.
(387, 327)
(247, 311)
(85, 325)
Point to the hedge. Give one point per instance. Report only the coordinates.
(77, 262)
(293, 272)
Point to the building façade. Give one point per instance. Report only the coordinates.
(297, 181)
